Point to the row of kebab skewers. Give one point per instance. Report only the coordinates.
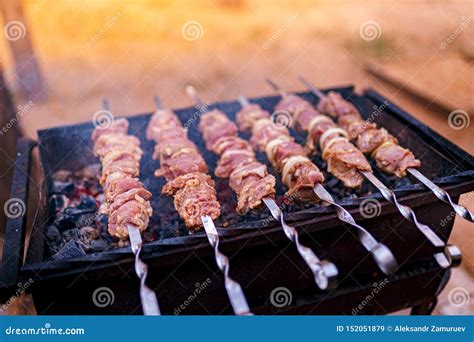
(334, 128)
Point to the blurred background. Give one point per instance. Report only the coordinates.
(59, 59)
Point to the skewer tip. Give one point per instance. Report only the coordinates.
(190, 90)
(157, 101)
(272, 84)
(243, 101)
(313, 89)
(276, 87)
(105, 103)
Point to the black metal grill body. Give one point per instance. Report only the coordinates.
(261, 257)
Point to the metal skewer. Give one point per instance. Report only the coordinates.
(451, 255)
(441, 194)
(324, 272)
(234, 290)
(381, 254)
(148, 297)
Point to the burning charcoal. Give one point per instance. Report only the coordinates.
(52, 233)
(87, 234)
(64, 222)
(149, 236)
(75, 218)
(102, 222)
(65, 188)
(99, 245)
(71, 234)
(332, 183)
(70, 250)
(57, 203)
(87, 203)
(53, 238)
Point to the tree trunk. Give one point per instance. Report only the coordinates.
(15, 29)
(9, 133)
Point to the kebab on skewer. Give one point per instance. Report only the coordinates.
(192, 188)
(296, 106)
(291, 161)
(184, 169)
(383, 147)
(126, 201)
(252, 183)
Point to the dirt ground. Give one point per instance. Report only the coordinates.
(128, 51)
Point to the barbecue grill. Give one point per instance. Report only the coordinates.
(262, 257)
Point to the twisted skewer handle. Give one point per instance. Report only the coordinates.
(442, 195)
(381, 253)
(148, 297)
(324, 272)
(451, 256)
(234, 290)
